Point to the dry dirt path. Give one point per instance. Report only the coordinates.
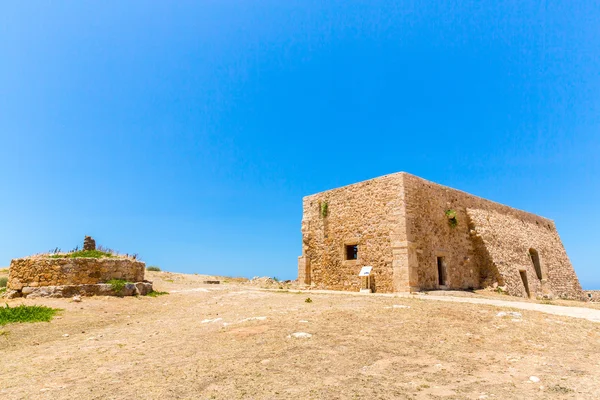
(236, 341)
(574, 312)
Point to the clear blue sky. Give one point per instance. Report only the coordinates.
(189, 132)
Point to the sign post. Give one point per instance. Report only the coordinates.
(366, 272)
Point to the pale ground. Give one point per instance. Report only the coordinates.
(231, 341)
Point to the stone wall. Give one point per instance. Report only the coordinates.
(366, 214)
(400, 225)
(490, 243)
(45, 271)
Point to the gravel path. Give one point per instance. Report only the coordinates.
(575, 312)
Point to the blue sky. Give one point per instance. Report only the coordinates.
(189, 132)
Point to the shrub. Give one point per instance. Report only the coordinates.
(117, 284)
(451, 215)
(153, 268)
(308, 300)
(25, 313)
(3, 282)
(324, 209)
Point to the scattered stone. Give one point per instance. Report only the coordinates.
(77, 298)
(303, 321)
(211, 282)
(534, 379)
(143, 288)
(300, 335)
(254, 319)
(12, 294)
(206, 321)
(400, 306)
(66, 335)
(513, 314)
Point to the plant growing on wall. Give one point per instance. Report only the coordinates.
(451, 215)
(324, 208)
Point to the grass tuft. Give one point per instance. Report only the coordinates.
(153, 268)
(117, 284)
(3, 282)
(83, 254)
(25, 313)
(156, 294)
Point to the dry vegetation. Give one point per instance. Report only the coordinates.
(231, 341)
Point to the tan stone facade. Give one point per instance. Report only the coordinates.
(46, 271)
(418, 235)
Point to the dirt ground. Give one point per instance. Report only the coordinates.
(233, 340)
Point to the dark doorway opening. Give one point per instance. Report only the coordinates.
(525, 283)
(535, 259)
(441, 268)
(307, 272)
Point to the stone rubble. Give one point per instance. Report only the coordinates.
(300, 335)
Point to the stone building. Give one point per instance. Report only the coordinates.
(418, 235)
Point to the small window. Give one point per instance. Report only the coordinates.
(351, 252)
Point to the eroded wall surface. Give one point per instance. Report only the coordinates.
(491, 253)
(508, 240)
(368, 214)
(45, 271)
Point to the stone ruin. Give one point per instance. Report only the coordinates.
(419, 236)
(59, 275)
(89, 243)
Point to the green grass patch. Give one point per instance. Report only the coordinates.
(117, 284)
(2, 290)
(83, 254)
(153, 268)
(156, 294)
(3, 282)
(25, 313)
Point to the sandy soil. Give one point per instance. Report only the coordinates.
(231, 341)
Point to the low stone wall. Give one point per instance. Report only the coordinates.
(45, 271)
(101, 289)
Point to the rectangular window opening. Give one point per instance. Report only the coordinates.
(351, 252)
(441, 267)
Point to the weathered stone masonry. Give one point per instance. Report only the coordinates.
(44, 276)
(400, 224)
(45, 271)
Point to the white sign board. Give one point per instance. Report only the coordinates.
(365, 271)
